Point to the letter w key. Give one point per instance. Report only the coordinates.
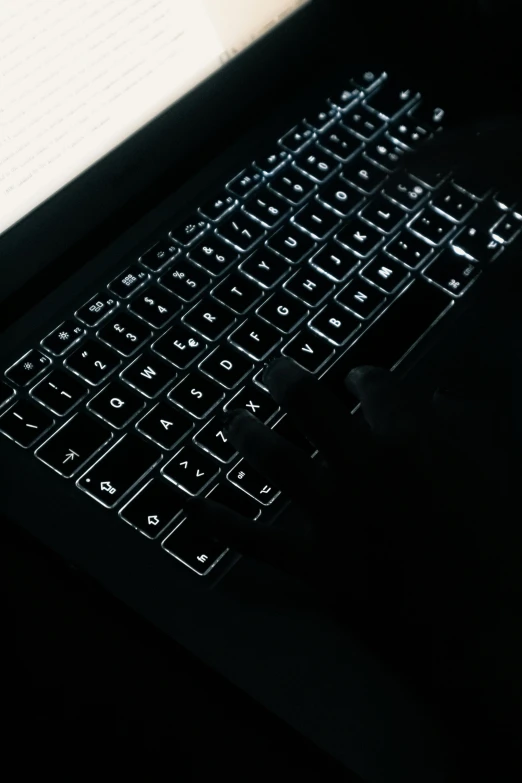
(149, 374)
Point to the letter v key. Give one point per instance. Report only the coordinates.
(309, 351)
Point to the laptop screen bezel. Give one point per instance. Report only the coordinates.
(71, 215)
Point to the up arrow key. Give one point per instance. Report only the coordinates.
(153, 520)
(191, 469)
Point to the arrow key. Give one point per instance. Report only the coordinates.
(153, 508)
(73, 444)
(191, 469)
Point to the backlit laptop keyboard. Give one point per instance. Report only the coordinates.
(308, 252)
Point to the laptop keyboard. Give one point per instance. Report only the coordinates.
(324, 247)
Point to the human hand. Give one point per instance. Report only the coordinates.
(402, 535)
(413, 544)
(394, 495)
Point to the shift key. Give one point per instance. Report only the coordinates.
(119, 470)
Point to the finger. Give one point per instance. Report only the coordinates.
(315, 410)
(387, 408)
(303, 480)
(287, 551)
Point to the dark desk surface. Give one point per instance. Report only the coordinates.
(85, 671)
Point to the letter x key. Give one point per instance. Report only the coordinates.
(255, 401)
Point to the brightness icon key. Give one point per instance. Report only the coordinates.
(63, 337)
(29, 367)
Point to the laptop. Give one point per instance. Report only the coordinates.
(186, 192)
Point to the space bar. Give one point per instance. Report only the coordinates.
(394, 333)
